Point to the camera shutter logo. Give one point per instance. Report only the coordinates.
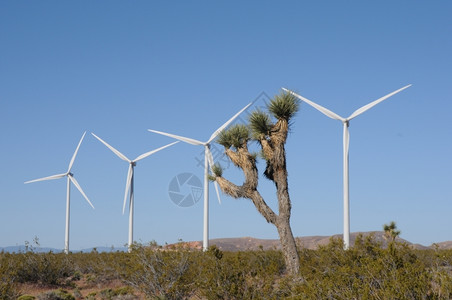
(185, 190)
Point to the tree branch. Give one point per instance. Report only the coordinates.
(245, 161)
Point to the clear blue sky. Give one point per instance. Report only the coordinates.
(118, 68)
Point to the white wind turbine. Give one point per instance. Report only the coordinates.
(130, 181)
(346, 141)
(70, 177)
(208, 161)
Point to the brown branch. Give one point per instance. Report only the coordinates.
(279, 132)
(263, 208)
(245, 161)
(236, 191)
(266, 148)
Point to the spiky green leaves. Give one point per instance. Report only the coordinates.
(236, 136)
(260, 124)
(283, 106)
(217, 170)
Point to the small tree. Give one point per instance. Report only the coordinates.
(391, 232)
(271, 137)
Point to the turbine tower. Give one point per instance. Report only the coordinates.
(70, 178)
(208, 161)
(346, 141)
(130, 181)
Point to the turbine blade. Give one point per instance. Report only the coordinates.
(153, 151)
(218, 192)
(119, 154)
(58, 176)
(129, 181)
(178, 137)
(74, 181)
(75, 153)
(217, 132)
(372, 104)
(209, 155)
(320, 108)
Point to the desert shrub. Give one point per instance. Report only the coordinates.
(106, 294)
(56, 295)
(91, 296)
(45, 268)
(365, 271)
(221, 275)
(123, 291)
(77, 293)
(119, 293)
(8, 287)
(368, 270)
(26, 297)
(442, 282)
(125, 297)
(159, 274)
(439, 263)
(239, 275)
(101, 267)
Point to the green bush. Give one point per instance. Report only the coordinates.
(56, 295)
(26, 297)
(45, 268)
(8, 286)
(239, 275)
(159, 274)
(368, 270)
(365, 271)
(119, 293)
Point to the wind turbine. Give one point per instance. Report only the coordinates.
(130, 181)
(346, 141)
(208, 161)
(70, 177)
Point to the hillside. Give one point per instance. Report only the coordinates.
(308, 242)
(250, 243)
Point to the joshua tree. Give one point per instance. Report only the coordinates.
(391, 231)
(271, 135)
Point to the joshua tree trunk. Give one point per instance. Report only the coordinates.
(288, 245)
(272, 138)
(281, 221)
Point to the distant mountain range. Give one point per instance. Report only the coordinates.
(247, 243)
(308, 242)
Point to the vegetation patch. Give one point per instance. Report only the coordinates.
(368, 270)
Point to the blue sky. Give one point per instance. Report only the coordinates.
(118, 68)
